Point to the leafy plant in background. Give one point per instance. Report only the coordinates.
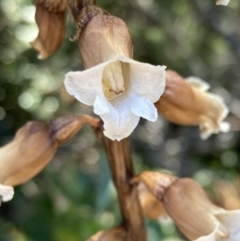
(121, 91)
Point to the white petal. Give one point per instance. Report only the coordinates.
(145, 79)
(231, 221)
(120, 122)
(101, 106)
(6, 193)
(224, 127)
(142, 107)
(213, 123)
(86, 85)
(210, 237)
(198, 83)
(223, 2)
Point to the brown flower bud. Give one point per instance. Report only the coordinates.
(114, 234)
(31, 149)
(34, 146)
(104, 38)
(186, 102)
(50, 17)
(192, 211)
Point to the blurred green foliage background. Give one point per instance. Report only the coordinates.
(74, 197)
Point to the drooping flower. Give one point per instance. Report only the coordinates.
(120, 89)
(188, 205)
(187, 102)
(223, 2)
(33, 148)
(196, 216)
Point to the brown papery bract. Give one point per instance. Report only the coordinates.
(156, 182)
(35, 145)
(50, 17)
(64, 128)
(151, 206)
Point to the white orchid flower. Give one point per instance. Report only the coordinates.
(222, 2)
(120, 89)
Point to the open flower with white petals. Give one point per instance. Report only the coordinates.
(120, 89)
(223, 2)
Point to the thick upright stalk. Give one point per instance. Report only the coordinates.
(120, 162)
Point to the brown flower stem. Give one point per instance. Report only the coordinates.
(121, 166)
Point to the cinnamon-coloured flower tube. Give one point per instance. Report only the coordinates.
(187, 102)
(196, 216)
(33, 148)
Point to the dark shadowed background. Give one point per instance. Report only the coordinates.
(74, 197)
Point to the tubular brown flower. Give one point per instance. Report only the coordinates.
(186, 102)
(31, 149)
(189, 206)
(50, 17)
(196, 216)
(34, 146)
